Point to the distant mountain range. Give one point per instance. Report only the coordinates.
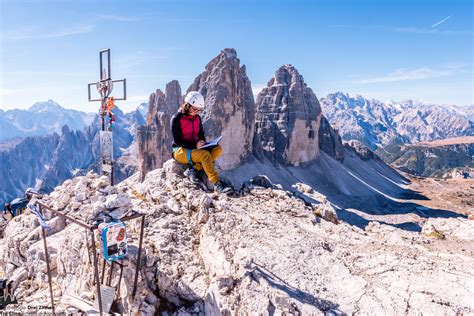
(58, 156)
(448, 158)
(42, 118)
(377, 124)
(56, 150)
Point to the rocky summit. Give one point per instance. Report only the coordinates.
(264, 251)
(315, 226)
(285, 125)
(229, 106)
(154, 139)
(288, 119)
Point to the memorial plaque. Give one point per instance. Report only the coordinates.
(107, 297)
(106, 145)
(107, 167)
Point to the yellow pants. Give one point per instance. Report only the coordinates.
(202, 159)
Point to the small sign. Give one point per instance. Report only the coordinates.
(106, 145)
(107, 167)
(107, 297)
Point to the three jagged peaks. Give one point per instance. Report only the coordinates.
(282, 125)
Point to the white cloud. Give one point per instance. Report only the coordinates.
(138, 98)
(129, 62)
(417, 30)
(70, 31)
(441, 21)
(414, 74)
(118, 18)
(160, 76)
(31, 73)
(8, 92)
(33, 33)
(185, 20)
(405, 29)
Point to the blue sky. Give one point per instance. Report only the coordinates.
(379, 49)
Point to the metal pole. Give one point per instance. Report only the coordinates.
(47, 266)
(88, 249)
(72, 219)
(120, 279)
(96, 274)
(139, 256)
(108, 63)
(112, 171)
(109, 279)
(102, 113)
(103, 272)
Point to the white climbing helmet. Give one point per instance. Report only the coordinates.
(195, 99)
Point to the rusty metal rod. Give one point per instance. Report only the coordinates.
(88, 249)
(127, 218)
(72, 219)
(109, 279)
(112, 173)
(94, 252)
(139, 256)
(48, 268)
(120, 280)
(96, 274)
(103, 271)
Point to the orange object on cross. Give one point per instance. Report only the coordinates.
(110, 104)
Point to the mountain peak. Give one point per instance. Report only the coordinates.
(229, 53)
(340, 94)
(46, 106)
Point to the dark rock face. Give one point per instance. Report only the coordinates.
(361, 150)
(55, 158)
(167, 102)
(229, 106)
(329, 140)
(154, 139)
(287, 119)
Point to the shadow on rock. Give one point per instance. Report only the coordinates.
(258, 272)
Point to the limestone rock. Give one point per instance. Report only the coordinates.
(430, 231)
(229, 106)
(327, 212)
(260, 253)
(288, 117)
(154, 139)
(117, 200)
(441, 228)
(329, 140)
(362, 151)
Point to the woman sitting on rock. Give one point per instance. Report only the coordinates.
(188, 135)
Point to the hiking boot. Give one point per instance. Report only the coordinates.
(192, 175)
(222, 187)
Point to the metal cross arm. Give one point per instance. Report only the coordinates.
(110, 84)
(104, 87)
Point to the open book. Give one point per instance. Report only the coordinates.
(212, 143)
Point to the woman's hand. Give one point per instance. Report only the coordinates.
(200, 143)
